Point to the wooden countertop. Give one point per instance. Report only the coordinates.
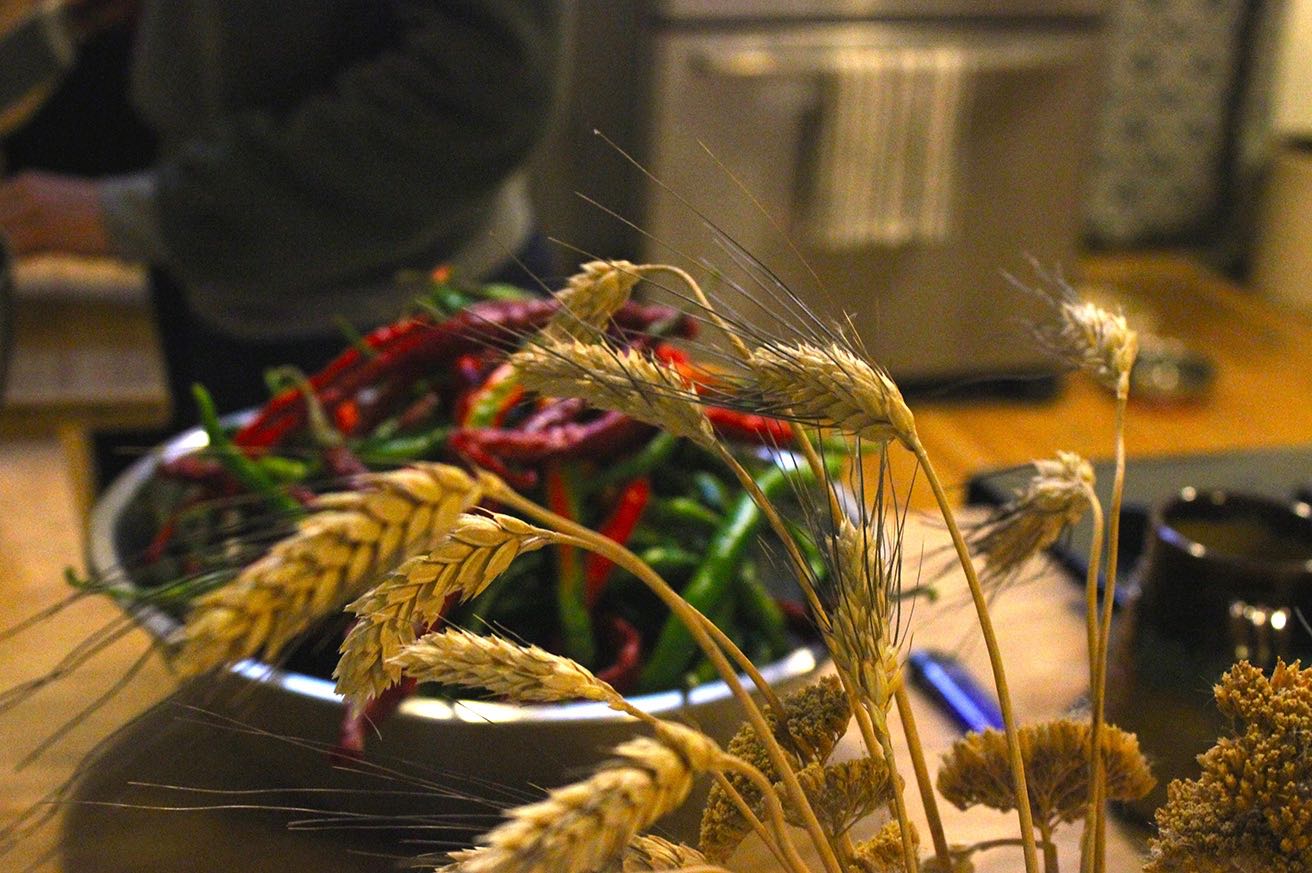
(1261, 398)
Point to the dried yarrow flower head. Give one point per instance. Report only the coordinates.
(1251, 807)
(882, 853)
(815, 719)
(1056, 753)
(1055, 499)
(841, 794)
(1082, 333)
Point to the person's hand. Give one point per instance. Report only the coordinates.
(45, 212)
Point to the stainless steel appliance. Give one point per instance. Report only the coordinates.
(910, 152)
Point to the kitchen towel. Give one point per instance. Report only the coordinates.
(885, 163)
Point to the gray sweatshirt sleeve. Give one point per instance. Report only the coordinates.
(401, 155)
(40, 47)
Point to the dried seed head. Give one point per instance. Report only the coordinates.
(585, 826)
(477, 550)
(840, 794)
(1084, 334)
(1055, 499)
(353, 538)
(622, 380)
(830, 387)
(882, 853)
(862, 637)
(815, 719)
(1056, 754)
(524, 674)
(591, 297)
(650, 853)
(1252, 801)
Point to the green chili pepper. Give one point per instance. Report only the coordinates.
(686, 510)
(760, 610)
(711, 489)
(713, 579)
(401, 449)
(234, 459)
(668, 559)
(282, 469)
(503, 291)
(656, 452)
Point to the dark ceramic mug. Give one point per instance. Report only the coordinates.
(1223, 578)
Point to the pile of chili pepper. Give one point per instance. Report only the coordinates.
(435, 386)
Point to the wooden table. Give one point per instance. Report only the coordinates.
(1264, 360)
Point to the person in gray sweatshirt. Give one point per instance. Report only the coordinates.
(310, 149)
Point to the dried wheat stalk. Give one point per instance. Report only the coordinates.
(352, 539)
(829, 386)
(585, 826)
(477, 549)
(525, 674)
(622, 380)
(650, 853)
(589, 299)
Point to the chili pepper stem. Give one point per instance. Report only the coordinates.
(923, 783)
(1091, 631)
(1104, 635)
(696, 624)
(1023, 812)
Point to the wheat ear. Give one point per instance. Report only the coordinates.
(524, 674)
(650, 853)
(831, 387)
(478, 548)
(351, 539)
(622, 380)
(585, 826)
(590, 297)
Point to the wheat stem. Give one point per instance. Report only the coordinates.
(696, 624)
(1091, 631)
(773, 807)
(995, 656)
(923, 782)
(909, 860)
(1104, 634)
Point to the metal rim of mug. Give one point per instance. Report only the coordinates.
(1189, 496)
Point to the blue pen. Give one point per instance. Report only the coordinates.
(954, 690)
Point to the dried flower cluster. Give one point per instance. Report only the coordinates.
(1251, 809)
(1090, 338)
(1056, 755)
(816, 718)
(1054, 500)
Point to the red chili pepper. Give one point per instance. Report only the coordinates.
(410, 348)
(575, 621)
(748, 427)
(632, 501)
(622, 674)
(346, 417)
(604, 435)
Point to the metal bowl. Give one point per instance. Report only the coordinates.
(473, 742)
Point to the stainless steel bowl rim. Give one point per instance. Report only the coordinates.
(102, 557)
